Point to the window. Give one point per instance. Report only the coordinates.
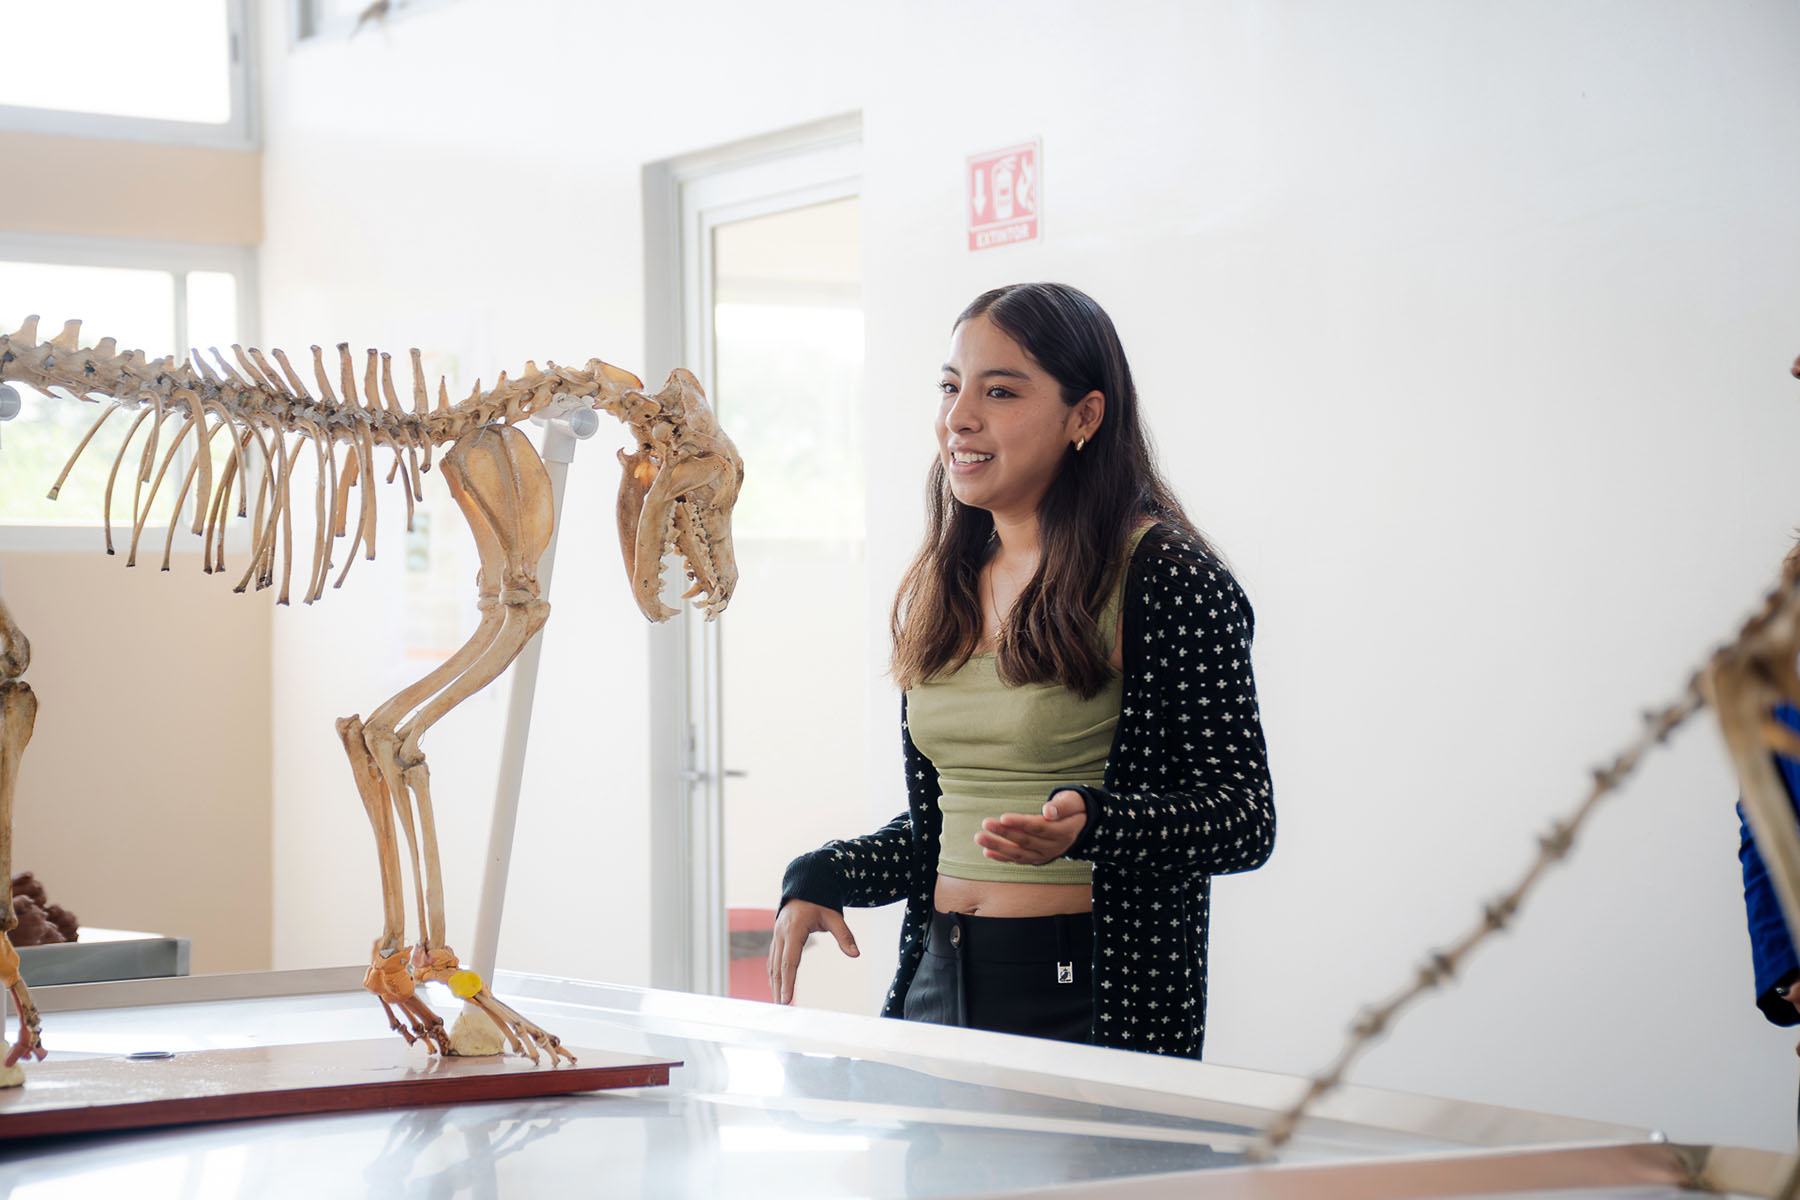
(343, 18)
(158, 299)
(170, 72)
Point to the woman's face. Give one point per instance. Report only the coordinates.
(1002, 426)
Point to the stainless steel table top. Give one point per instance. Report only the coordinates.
(783, 1102)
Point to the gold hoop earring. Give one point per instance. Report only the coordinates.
(1079, 443)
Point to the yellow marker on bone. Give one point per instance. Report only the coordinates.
(464, 984)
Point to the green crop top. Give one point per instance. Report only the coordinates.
(1001, 749)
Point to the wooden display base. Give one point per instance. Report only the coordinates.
(89, 1095)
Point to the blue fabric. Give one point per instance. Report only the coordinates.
(1771, 950)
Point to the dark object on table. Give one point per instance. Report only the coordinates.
(41, 923)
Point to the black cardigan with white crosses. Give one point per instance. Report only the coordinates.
(1186, 797)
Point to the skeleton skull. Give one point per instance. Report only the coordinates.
(677, 493)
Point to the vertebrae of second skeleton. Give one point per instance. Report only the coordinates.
(256, 399)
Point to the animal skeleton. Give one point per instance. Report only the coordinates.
(677, 493)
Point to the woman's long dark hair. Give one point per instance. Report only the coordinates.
(1097, 497)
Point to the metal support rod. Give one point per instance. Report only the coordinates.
(559, 450)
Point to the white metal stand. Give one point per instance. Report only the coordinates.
(560, 435)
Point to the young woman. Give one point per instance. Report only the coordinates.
(1064, 632)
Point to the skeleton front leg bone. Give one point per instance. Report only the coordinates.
(503, 490)
(18, 713)
(388, 977)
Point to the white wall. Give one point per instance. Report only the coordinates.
(468, 181)
(143, 796)
(1462, 328)
(192, 194)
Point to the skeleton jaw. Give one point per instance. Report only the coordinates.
(677, 493)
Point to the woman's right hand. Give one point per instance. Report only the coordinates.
(797, 921)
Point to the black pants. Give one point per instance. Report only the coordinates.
(1029, 975)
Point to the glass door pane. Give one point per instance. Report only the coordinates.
(788, 350)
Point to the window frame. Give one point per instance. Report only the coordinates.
(178, 259)
(242, 132)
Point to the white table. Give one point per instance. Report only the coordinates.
(793, 1103)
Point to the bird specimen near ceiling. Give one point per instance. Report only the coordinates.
(680, 483)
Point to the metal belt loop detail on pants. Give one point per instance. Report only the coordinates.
(1065, 962)
(958, 945)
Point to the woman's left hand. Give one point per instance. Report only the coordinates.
(1023, 838)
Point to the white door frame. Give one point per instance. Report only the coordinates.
(684, 201)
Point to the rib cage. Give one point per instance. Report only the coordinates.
(271, 419)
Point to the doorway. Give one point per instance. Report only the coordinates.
(765, 738)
